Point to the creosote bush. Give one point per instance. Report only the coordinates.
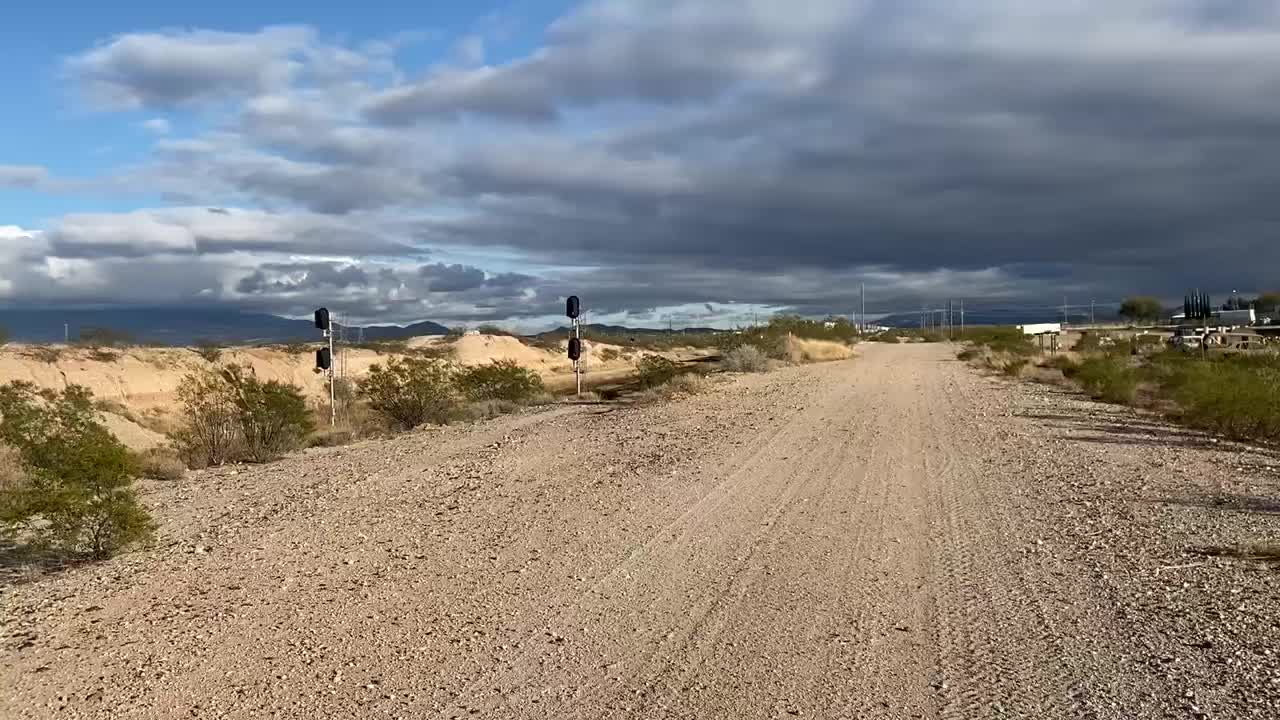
(1107, 378)
(654, 370)
(410, 392)
(73, 492)
(499, 380)
(230, 415)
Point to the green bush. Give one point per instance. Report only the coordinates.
(1001, 339)
(271, 416)
(74, 493)
(654, 370)
(1238, 396)
(1108, 378)
(499, 380)
(208, 434)
(228, 415)
(410, 392)
(746, 359)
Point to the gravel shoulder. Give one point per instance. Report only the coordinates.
(894, 536)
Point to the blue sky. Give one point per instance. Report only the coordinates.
(693, 159)
(55, 129)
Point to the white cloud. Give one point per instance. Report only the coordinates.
(157, 126)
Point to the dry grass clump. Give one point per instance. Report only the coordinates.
(160, 463)
(802, 350)
(746, 359)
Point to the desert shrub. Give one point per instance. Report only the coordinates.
(74, 495)
(688, 384)
(499, 380)
(296, 348)
(1066, 365)
(654, 370)
(1013, 368)
(1000, 339)
(1238, 396)
(410, 392)
(331, 437)
(229, 415)
(4, 336)
(969, 353)
(487, 409)
(208, 434)
(610, 354)
(105, 337)
(745, 358)
(160, 464)
(103, 355)
(435, 351)
(47, 354)
(209, 350)
(272, 416)
(1108, 378)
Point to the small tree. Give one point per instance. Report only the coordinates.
(209, 435)
(1141, 308)
(499, 380)
(272, 416)
(411, 391)
(75, 494)
(4, 336)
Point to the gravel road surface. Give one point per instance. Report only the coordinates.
(895, 536)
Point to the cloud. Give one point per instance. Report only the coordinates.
(451, 278)
(22, 176)
(157, 126)
(177, 68)
(657, 153)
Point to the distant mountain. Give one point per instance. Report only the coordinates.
(185, 326)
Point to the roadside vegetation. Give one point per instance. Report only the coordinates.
(229, 415)
(66, 485)
(1235, 395)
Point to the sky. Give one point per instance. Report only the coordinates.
(694, 162)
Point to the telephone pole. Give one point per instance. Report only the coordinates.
(862, 315)
(962, 319)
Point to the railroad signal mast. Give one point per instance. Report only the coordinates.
(324, 362)
(573, 309)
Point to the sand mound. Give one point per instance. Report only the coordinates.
(133, 435)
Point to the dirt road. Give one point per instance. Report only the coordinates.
(896, 536)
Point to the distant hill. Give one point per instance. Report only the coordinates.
(185, 326)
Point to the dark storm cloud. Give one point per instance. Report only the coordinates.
(451, 278)
(705, 152)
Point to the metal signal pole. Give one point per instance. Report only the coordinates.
(333, 392)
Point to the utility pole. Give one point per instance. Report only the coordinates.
(862, 316)
(66, 333)
(951, 321)
(1065, 321)
(1092, 317)
(962, 319)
